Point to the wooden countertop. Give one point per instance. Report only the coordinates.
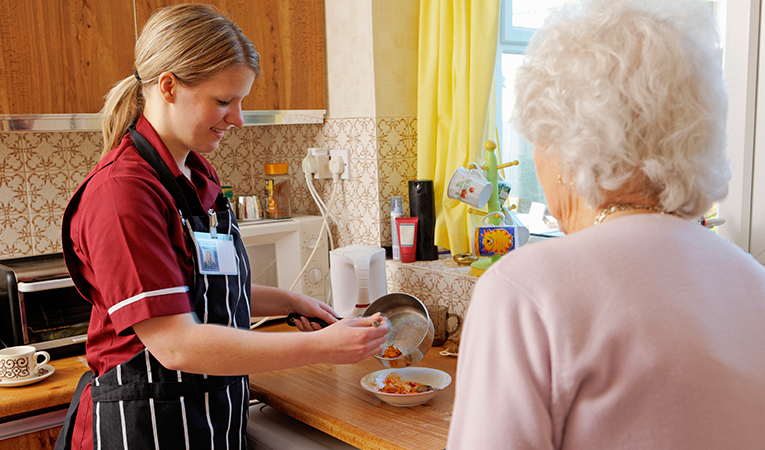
(327, 397)
(331, 399)
(54, 392)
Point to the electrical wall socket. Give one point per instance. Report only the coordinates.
(346, 156)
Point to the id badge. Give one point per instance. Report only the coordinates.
(215, 255)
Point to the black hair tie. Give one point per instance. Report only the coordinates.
(137, 77)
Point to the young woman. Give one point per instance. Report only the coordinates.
(169, 344)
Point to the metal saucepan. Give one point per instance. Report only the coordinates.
(410, 328)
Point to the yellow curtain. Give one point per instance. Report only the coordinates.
(457, 53)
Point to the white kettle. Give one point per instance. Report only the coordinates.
(358, 278)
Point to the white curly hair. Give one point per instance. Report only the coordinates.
(626, 90)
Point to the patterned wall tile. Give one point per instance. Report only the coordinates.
(234, 162)
(40, 171)
(398, 137)
(395, 174)
(15, 236)
(13, 193)
(357, 135)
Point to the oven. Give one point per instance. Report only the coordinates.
(40, 306)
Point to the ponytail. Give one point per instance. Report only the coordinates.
(123, 106)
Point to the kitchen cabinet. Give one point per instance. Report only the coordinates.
(62, 57)
(39, 440)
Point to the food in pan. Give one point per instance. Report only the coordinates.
(391, 352)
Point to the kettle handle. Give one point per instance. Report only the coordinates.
(362, 278)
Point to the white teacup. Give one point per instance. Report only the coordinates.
(21, 362)
(469, 186)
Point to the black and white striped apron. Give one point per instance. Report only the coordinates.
(142, 405)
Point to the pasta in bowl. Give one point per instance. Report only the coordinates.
(409, 386)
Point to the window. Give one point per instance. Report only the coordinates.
(518, 21)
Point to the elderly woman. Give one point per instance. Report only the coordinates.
(639, 329)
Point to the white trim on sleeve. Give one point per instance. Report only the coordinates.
(142, 295)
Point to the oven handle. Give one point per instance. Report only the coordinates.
(37, 286)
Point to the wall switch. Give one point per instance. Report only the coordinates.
(346, 157)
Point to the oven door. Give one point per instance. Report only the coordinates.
(53, 313)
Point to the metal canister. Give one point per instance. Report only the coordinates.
(277, 190)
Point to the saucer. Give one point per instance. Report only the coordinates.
(43, 372)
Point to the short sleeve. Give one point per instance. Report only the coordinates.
(127, 228)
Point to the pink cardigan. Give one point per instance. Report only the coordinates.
(644, 332)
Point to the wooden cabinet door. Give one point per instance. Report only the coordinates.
(63, 56)
(288, 35)
(39, 440)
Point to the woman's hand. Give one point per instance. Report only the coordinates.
(273, 301)
(351, 340)
(310, 307)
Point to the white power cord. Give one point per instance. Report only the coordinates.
(310, 166)
(323, 209)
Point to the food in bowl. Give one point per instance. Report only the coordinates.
(393, 384)
(435, 378)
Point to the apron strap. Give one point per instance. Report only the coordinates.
(147, 151)
(64, 440)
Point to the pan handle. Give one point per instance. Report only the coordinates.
(292, 317)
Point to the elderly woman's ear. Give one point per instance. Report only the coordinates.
(563, 201)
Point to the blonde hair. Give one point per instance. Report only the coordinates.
(194, 42)
(626, 90)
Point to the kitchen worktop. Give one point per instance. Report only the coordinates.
(54, 392)
(331, 399)
(327, 397)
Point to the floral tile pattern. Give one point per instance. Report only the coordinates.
(39, 171)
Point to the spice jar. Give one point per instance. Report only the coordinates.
(277, 184)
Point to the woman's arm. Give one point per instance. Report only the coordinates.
(271, 301)
(179, 342)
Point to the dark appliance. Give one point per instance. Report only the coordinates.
(423, 206)
(40, 306)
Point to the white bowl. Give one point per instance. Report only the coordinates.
(433, 377)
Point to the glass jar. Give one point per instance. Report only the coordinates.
(277, 186)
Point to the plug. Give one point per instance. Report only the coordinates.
(336, 165)
(341, 156)
(322, 162)
(310, 165)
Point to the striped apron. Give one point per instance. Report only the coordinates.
(142, 405)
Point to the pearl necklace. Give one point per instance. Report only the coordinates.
(627, 207)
